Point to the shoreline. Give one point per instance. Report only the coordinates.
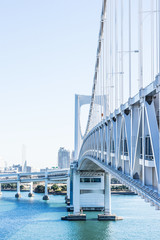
(63, 193)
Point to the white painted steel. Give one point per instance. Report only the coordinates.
(76, 192)
(107, 193)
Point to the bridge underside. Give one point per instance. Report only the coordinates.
(93, 164)
(89, 165)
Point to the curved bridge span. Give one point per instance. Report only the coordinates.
(122, 136)
(89, 162)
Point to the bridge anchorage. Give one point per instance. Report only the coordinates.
(122, 137)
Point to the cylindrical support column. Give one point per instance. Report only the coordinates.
(18, 186)
(76, 192)
(46, 187)
(68, 188)
(107, 194)
(45, 197)
(30, 194)
(31, 187)
(18, 194)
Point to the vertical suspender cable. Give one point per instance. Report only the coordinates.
(101, 79)
(107, 64)
(110, 92)
(101, 76)
(111, 56)
(157, 36)
(159, 93)
(121, 87)
(140, 46)
(159, 33)
(152, 40)
(116, 50)
(103, 72)
(98, 85)
(129, 48)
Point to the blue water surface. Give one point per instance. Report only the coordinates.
(35, 219)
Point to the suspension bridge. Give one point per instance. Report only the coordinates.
(122, 137)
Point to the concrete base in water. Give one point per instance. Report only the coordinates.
(74, 217)
(45, 197)
(30, 195)
(70, 208)
(67, 201)
(17, 195)
(108, 217)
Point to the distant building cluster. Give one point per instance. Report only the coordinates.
(64, 158)
(16, 168)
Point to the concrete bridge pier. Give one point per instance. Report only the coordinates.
(30, 194)
(107, 216)
(18, 194)
(45, 197)
(77, 215)
(76, 192)
(107, 194)
(68, 191)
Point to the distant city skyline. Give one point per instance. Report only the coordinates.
(48, 53)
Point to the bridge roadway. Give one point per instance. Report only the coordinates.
(146, 192)
(55, 176)
(51, 176)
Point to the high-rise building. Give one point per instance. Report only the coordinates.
(63, 158)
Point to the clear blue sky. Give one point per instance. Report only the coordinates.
(47, 54)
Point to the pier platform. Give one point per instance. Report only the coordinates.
(73, 217)
(108, 217)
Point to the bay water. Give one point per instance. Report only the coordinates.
(35, 219)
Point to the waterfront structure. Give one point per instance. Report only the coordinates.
(122, 136)
(54, 176)
(63, 158)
